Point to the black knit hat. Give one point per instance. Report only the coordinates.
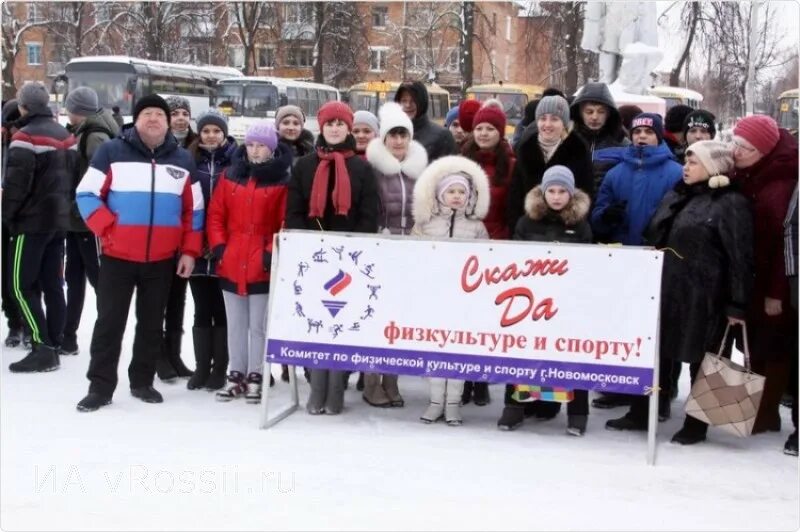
(673, 120)
(151, 100)
(700, 118)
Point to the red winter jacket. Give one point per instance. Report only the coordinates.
(495, 220)
(247, 208)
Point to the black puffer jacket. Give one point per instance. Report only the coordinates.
(437, 140)
(302, 146)
(530, 167)
(708, 268)
(363, 215)
(611, 135)
(36, 190)
(542, 224)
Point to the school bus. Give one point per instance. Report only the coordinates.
(513, 96)
(677, 96)
(370, 95)
(787, 110)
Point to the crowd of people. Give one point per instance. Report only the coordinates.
(155, 206)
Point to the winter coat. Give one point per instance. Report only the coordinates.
(247, 209)
(89, 135)
(542, 224)
(530, 167)
(210, 165)
(769, 185)
(611, 135)
(396, 184)
(301, 147)
(36, 187)
(435, 220)
(437, 140)
(644, 176)
(708, 268)
(495, 220)
(145, 205)
(677, 148)
(363, 215)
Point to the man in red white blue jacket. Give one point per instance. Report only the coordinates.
(141, 198)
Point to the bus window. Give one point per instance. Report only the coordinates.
(259, 99)
(313, 102)
(229, 99)
(302, 100)
(291, 96)
(109, 86)
(513, 106)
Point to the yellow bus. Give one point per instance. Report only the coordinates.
(513, 96)
(787, 110)
(677, 96)
(370, 95)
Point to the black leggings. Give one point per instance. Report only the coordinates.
(209, 307)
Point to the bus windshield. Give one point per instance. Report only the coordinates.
(247, 100)
(787, 114)
(513, 104)
(112, 88)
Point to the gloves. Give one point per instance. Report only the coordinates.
(614, 213)
(266, 260)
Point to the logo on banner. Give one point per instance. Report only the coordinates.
(335, 290)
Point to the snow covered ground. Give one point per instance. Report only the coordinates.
(195, 464)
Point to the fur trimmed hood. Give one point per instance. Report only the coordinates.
(572, 214)
(385, 163)
(426, 205)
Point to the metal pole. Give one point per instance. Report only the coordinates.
(750, 86)
(652, 418)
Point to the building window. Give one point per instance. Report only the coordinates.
(34, 54)
(300, 57)
(300, 13)
(266, 58)
(200, 55)
(453, 63)
(377, 59)
(379, 16)
(236, 56)
(33, 12)
(416, 61)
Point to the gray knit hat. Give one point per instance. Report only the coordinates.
(178, 102)
(559, 175)
(365, 117)
(82, 101)
(213, 117)
(290, 110)
(33, 95)
(554, 105)
(716, 157)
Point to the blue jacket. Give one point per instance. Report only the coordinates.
(209, 167)
(641, 178)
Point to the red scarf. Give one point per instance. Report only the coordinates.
(341, 189)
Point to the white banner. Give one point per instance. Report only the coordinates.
(574, 316)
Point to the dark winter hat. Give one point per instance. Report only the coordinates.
(492, 114)
(33, 95)
(554, 105)
(759, 130)
(700, 118)
(10, 112)
(627, 113)
(290, 110)
(264, 133)
(651, 120)
(151, 100)
(178, 102)
(675, 117)
(82, 101)
(466, 114)
(559, 175)
(552, 91)
(213, 117)
(529, 115)
(452, 116)
(335, 111)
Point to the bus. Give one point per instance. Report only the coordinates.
(788, 109)
(121, 81)
(513, 96)
(370, 95)
(248, 99)
(677, 96)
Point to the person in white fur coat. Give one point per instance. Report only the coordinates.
(451, 198)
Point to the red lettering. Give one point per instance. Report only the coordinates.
(543, 309)
(470, 268)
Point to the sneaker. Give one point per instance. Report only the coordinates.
(14, 337)
(626, 423)
(41, 358)
(253, 388)
(235, 387)
(69, 346)
(93, 401)
(148, 394)
(790, 447)
(512, 418)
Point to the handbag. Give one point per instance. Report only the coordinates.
(525, 393)
(726, 394)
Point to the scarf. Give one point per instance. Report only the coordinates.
(548, 147)
(341, 196)
(181, 135)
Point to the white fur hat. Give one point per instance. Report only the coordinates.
(391, 115)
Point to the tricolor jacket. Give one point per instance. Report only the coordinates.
(145, 205)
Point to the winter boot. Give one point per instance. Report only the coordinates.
(546, 410)
(389, 383)
(576, 424)
(173, 341)
(790, 447)
(253, 388)
(148, 394)
(93, 401)
(374, 393)
(452, 406)
(511, 418)
(234, 388)
(219, 358)
(201, 338)
(480, 393)
(284, 373)
(466, 395)
(693, 431)
(164, 369)
(435, 409)
(360, 382)
(41, 358)
(69, 345)
(14, 337)
(611, 400)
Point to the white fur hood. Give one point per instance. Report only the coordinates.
(384, 162)
(425, 203)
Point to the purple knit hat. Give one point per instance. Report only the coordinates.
(452, 179)
(264, 133)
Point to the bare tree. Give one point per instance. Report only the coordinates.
(691, 18)
(340, 42)
(566, 20)
(249, 20)
(13, 30)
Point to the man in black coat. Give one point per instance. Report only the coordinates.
(438, 142)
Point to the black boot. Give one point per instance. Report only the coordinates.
(164, 368)
(693, 431)
(219, 358)
(201, 337)
(173, 341)
(480, 393)
(512, 417)
(611, 400)
(69, 345)
(790, 447)
(466, 395)
(93, 401)
(41, 358)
